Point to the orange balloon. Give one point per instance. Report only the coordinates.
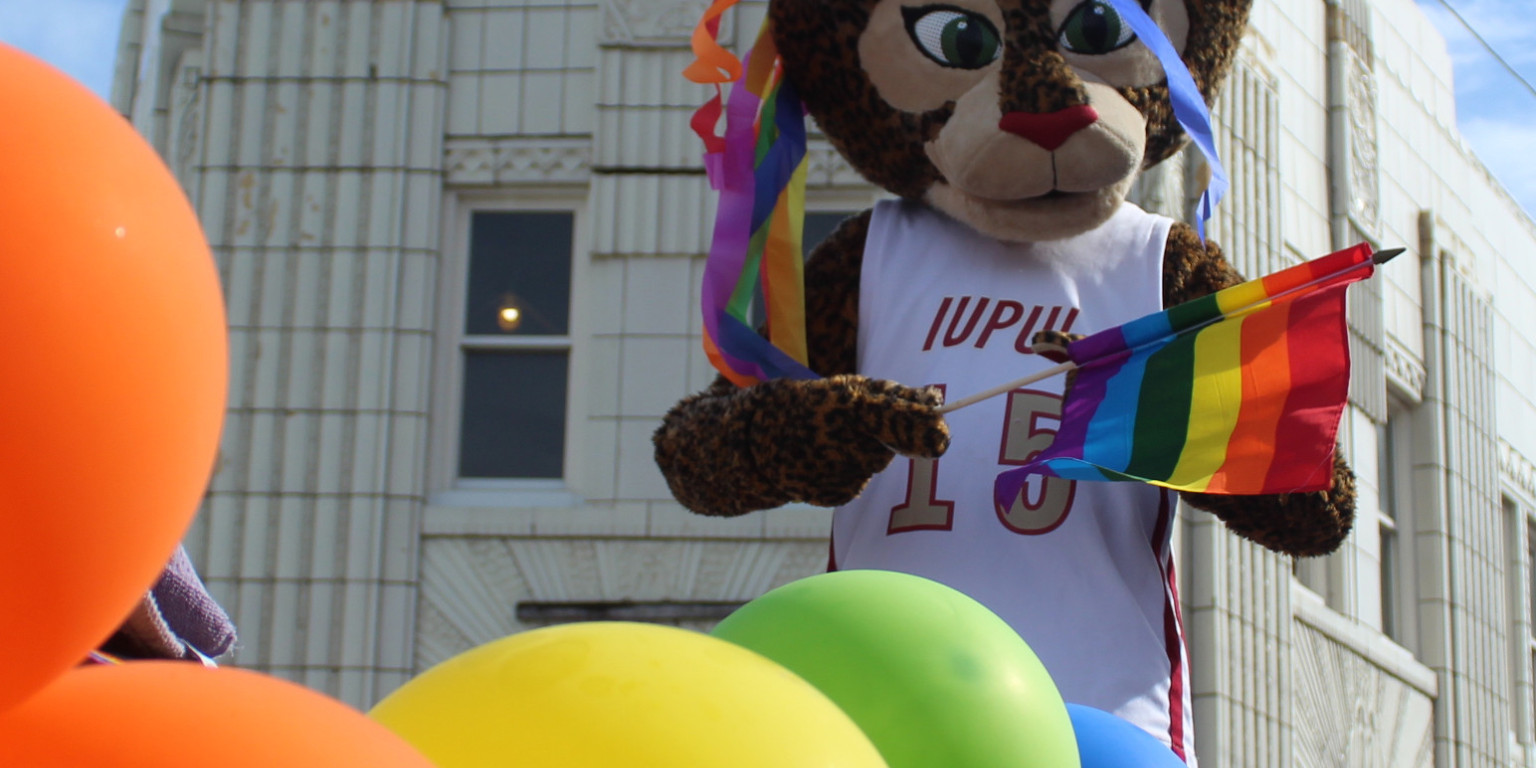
(113, 368)
(172, 714)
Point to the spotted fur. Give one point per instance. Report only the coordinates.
(817, 37)
(728, 451)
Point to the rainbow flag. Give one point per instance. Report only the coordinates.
(759, 168)
(1238, 392)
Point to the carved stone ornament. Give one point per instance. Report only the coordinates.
(187, 116)
(1517, 468)
(1405, 370)
(512, 161)
(1363, 191)
(470, 587)
(1348, 708)
(826, 168)
(656, 22)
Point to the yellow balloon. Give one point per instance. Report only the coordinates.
(620, 694)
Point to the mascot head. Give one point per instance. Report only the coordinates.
(1026, 119)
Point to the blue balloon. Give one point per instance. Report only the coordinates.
(1106, 741)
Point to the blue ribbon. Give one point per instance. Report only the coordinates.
(741, 342)
(1188, 104)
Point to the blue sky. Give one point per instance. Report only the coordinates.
(1496, 112)
(77, 36)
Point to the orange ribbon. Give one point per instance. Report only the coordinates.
(713, 63)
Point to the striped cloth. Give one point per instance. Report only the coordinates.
(1239, 392)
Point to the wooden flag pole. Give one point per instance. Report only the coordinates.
(1001, 388)
(1378, 258)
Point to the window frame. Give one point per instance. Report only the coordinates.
(1518, 515)
(1400, 524)
(447, 488)
(1335, 578)
(1345, 581)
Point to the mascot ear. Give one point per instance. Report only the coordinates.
(818, 41)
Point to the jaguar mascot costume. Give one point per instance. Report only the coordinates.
(1010, 132)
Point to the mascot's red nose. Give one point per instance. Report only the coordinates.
(1052, 129)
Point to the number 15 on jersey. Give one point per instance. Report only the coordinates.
(1028, 427)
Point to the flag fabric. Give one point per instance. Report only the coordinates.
(1238, 392)
(759, 169)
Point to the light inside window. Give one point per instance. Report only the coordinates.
(516, 352)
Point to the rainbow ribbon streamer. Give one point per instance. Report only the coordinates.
(759, 168)
(1239, 392)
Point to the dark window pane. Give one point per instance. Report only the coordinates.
(818, 225)
(1386, 466)
(1530, 576)
(1389, 615)
(519, 273)
(513, 423)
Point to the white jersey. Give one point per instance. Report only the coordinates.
(1082, 570)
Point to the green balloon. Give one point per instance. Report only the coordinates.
(932, 676)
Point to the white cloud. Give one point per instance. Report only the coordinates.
(77, 36)
(1496, 112)
(1506, 147)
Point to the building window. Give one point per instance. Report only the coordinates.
(516, 344)
(1528, 637)
(1399, 614)
(818, 226)
(1520, 607)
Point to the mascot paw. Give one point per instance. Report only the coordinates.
(1052, 345)
(1298, 524)
(822, 439)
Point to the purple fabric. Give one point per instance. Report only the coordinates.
(733, 217)
(189, 611)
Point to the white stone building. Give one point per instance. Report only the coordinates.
(364, 168)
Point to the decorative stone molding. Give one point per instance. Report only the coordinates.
(1363, 185)
(186, 118)
(827, 168)
(660, 23)
(1517, 469)
(1405, 370)
(1350, 711)
(517, 161)
(471, 586)
(1349, 21)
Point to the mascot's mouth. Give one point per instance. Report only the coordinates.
(1052, 196)
(1052, 214)
(1056, 196)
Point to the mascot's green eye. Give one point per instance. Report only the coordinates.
(1095, 28)
(953, 37)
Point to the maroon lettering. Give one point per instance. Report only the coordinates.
(996, 321)
(960, 316)
(938, 319)
(950, 339)
(1021, 344)
(1050, 320)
